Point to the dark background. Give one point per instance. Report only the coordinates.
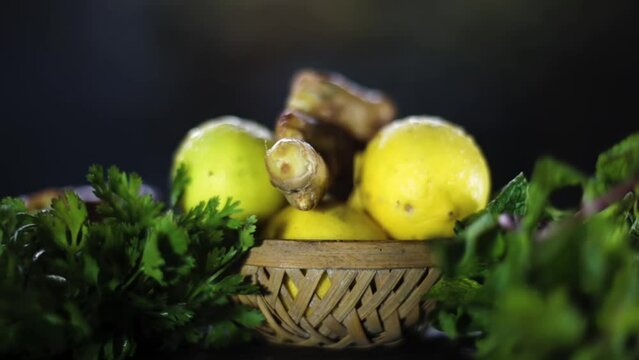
(120, 82)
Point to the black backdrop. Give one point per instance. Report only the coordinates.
(120, 82)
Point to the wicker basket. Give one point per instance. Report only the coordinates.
(376, 290)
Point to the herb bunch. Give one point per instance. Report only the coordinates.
(529, 280)
(101, 285)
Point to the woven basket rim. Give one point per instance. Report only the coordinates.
(342, 254)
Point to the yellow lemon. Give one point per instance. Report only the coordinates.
(354, 200)
(225, 157)
(419, 175)
(329, 221)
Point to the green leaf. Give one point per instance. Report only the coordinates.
(531, 325)
(223, 334)
(164, 258)
(564, 284)
(79, 324)
(55, 229)
(10, 209)
(620, 162)
(230, 331)
(178, 185)
(174, 316)
(454, 290)
(73, 214)
(134, 274)
(248, 317)
(548, 176)
(482, 244)
(512, 199)
(91, 269)
(448, 323)
(619, 313)
(121, 196)
(246, 233)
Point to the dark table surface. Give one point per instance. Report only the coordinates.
(414, 346)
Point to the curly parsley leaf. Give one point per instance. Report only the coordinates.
(133, 277)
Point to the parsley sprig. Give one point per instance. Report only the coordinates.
(100, 286)
(529, 280)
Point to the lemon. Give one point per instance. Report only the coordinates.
(329, 221)
(419, 175)
(354, 200)
(225, 157)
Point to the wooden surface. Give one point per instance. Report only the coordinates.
(383, 254)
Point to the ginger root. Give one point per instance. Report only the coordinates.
(332, 98)
(298, 171)
(336, 147)
(327, 120)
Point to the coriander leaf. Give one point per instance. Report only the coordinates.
(248, 317)
(121, 198)
(178, 185)
(174, 316)
(132, 276)
(228, 332)
(230, 208)
(246, 233)
(223, 334)
(208, 218)
(164, 257)
(73, 214)
(56, 229)
(10, 210)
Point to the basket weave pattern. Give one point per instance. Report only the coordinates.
(363, 307)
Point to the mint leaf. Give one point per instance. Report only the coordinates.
(530, 325)
(548, 175)
(562, 284)
(620, 162)
(512, 199)
(454, 291)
